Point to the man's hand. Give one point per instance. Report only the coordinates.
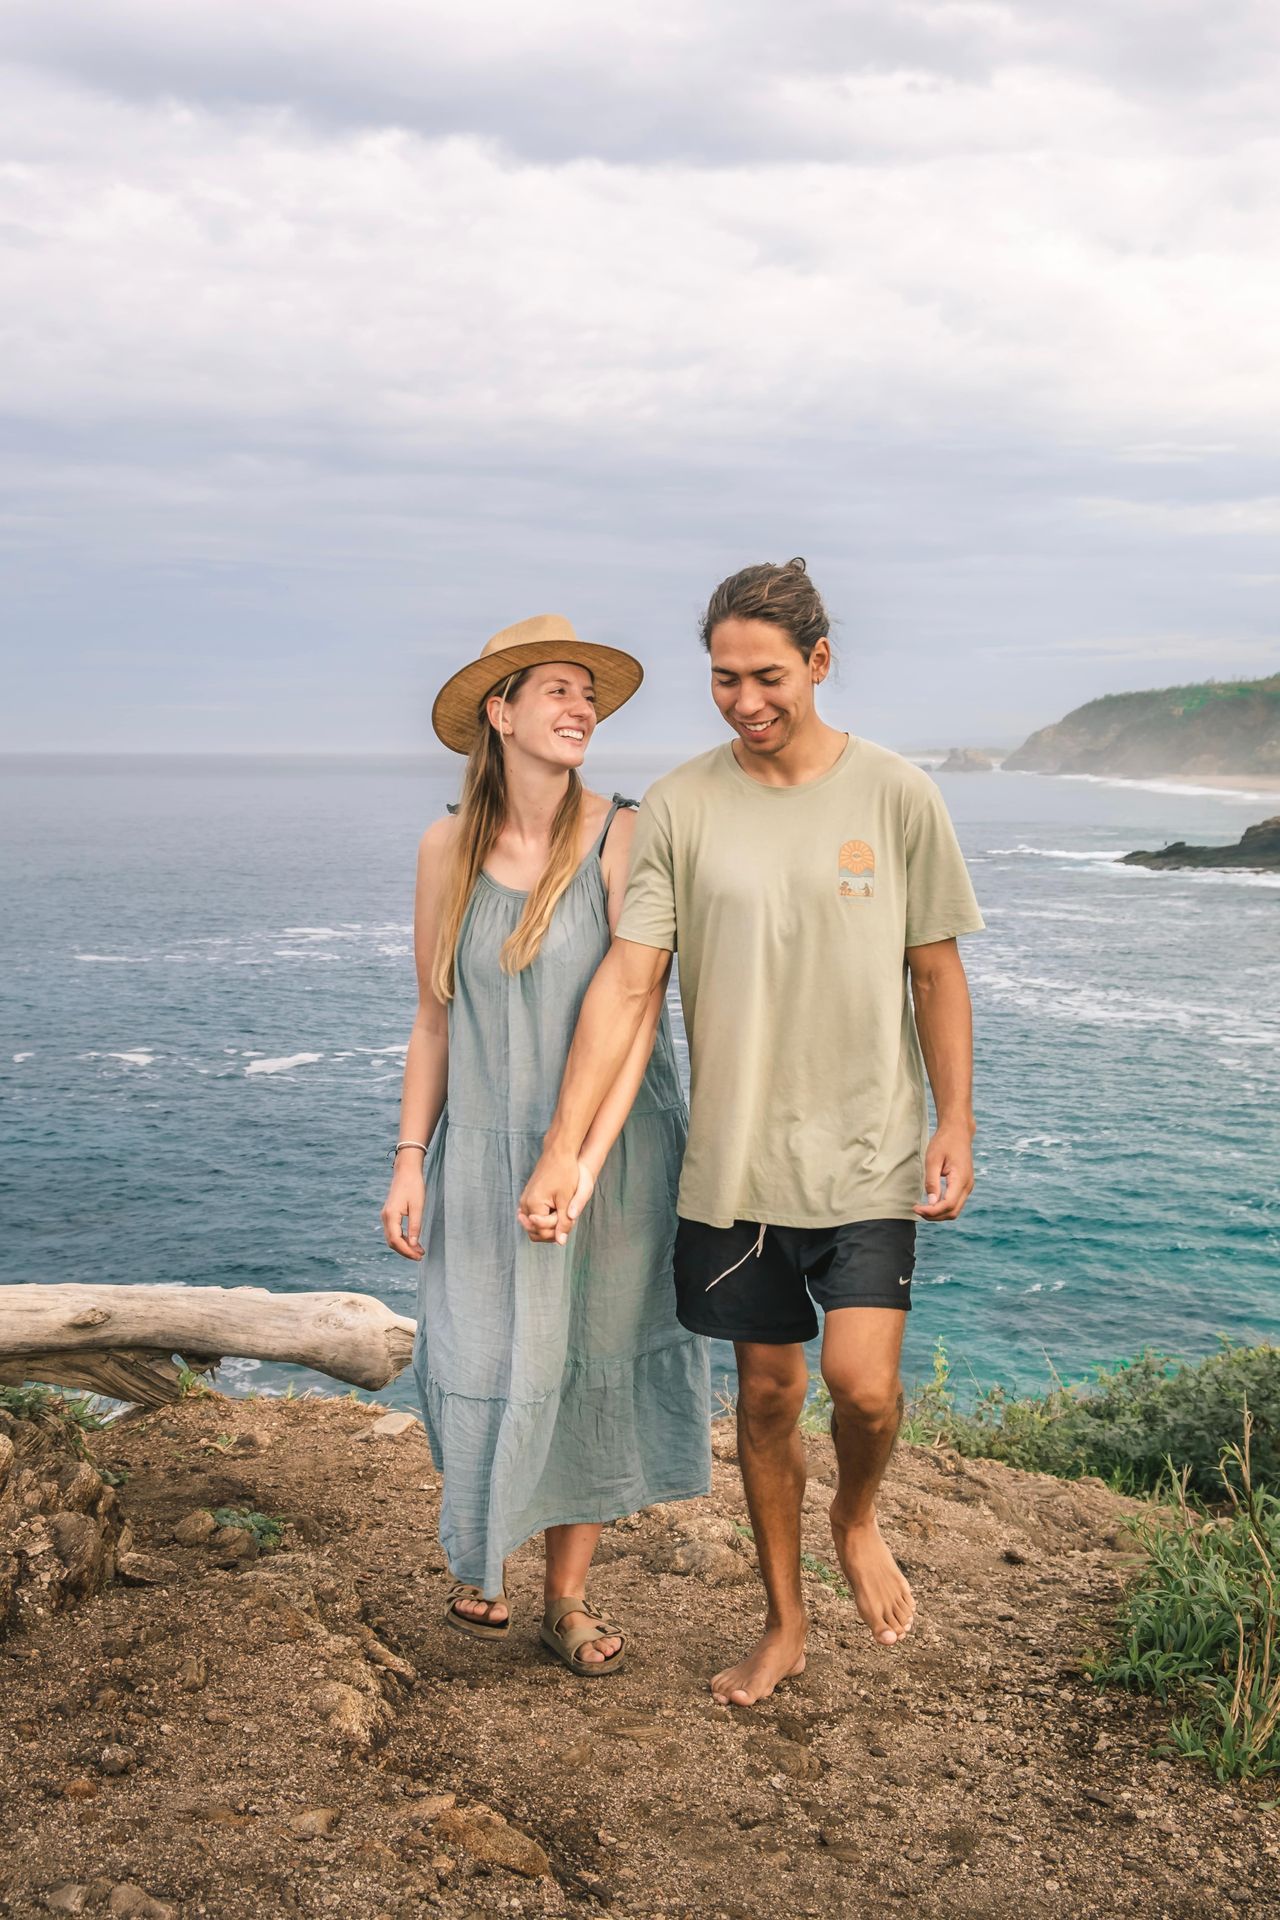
(552, 1199)
(948, 1173)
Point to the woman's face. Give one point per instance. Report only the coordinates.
(552, 716)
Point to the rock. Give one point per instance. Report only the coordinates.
(234, 1543)
(80, 1789)
(432, 1805)
(966, 760)
(314, 1823)
(707, 1560)
(71, 1897)
(487, 1836)
(360, 1720)
(77, 1541)
(392, 1425)
(195, 1528)
(144, 1569)
(115, 1759)
(193, 1673)
(130, 1902)
(838, 1844)
(784, 1756)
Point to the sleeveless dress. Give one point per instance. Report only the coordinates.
(556, 1384)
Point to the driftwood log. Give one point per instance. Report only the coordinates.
(122, 1341)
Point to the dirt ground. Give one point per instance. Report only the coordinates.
(298, 1734)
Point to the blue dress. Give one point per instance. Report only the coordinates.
(556, 1384)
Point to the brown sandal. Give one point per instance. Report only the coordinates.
(478, 1629)
(565, 1645)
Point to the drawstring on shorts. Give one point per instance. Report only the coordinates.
(758, 1249)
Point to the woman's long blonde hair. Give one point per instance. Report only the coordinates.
(481, 815)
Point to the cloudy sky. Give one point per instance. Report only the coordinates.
(335, 336)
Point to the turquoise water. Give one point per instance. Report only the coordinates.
(207, 986)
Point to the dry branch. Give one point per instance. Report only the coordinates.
(121, 1340)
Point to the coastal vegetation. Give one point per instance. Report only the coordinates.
(1127, 1425)
(1217, 726)
(1197, 1627)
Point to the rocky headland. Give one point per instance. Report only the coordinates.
(1257, 849)
(1228, 727)
(266, 1715)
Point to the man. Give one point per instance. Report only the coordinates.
(804, 877)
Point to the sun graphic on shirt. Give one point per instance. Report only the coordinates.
(857, 857)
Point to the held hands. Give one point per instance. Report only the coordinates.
(558, 1189)
(948, 1173)
(405, 1200)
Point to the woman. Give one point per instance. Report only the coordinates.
(558, 1389)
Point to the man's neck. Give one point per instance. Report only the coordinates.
(806, 756)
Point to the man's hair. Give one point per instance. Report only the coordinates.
(784, 596)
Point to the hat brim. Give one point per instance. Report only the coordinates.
(455, 714)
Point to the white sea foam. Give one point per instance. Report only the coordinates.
(18, 1058)
(284, 1065)
(115, 959)
(322, 933)
(136, 1057)
(1060, 853)
(394, 1046)
(1246, 795)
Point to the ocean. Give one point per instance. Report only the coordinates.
(207, 988)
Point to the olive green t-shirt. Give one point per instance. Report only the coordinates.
(790, 909)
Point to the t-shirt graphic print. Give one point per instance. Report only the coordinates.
(857, 871)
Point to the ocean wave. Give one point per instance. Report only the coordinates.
(18, 1058)
(1059, 853)
(135, 1057)
(1248, 796)
(115, 959)
(284, 1065)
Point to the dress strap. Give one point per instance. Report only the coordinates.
(619, 801)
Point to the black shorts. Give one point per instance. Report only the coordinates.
(748, 1282)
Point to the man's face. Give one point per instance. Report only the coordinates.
(762, 683)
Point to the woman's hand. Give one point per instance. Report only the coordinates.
(406, 1199)
(548, 1226)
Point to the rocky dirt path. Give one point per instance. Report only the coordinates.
(240, 1736)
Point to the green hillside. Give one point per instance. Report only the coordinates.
(1218, 726)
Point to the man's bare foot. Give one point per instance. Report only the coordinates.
(491, 1613)
(878, 1584)
(777, 1655)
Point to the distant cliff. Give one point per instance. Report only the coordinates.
(1222, 726)
(1258, 848)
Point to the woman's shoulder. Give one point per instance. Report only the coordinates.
(439, 837)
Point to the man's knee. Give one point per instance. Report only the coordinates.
(771, 1397)
(866, 1399)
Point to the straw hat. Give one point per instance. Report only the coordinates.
(548, 636)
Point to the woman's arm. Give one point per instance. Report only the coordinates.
(426, 1064)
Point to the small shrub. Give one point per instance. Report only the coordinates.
(267, 1532)
(1125, 1425)
(1198, 1625)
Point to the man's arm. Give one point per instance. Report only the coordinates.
(944, 1020)
(608, 1024)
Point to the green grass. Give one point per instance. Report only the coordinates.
(1197, 1627)
(75, 1414)
(1125, 1425)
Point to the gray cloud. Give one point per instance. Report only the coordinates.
(338, 337)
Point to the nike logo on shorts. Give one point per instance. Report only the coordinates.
(904, 1279)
